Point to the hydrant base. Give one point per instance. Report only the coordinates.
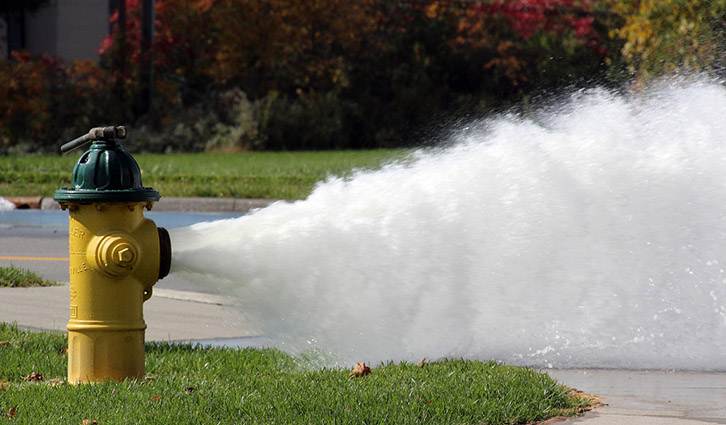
(97, 356)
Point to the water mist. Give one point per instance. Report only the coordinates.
(594, 236)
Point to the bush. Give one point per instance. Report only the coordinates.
(239, 126)
(44, 101)
(304, 74)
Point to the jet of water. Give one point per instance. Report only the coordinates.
(594, 236)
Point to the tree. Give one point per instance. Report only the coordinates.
(521, 37)
(668, 35)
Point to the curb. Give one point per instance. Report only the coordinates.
(228, 205)
(26, 202)
(194, 297)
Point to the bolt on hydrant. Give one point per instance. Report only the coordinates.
(116, 256)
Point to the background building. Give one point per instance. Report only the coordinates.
(70, 29)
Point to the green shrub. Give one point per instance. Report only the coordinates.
(44, 101)
(298, 75)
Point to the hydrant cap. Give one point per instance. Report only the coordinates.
(106, 173)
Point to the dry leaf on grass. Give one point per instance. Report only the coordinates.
(90, 422)
(423, 363)
(33, 377)
(4, 343)
(359, 370)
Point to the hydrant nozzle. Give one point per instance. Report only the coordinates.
(116, 256)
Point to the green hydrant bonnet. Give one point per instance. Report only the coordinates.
(106, 173)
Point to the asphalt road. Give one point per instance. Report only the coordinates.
(38, 241)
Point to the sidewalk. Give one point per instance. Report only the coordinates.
(649, 397)
(170, 315)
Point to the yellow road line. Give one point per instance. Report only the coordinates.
(35, 258)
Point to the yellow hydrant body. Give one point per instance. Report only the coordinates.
(116, 256)
(114, 262)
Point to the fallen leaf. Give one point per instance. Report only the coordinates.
(90, 422)
(359, 370)
(423, 363)
(155, 398)
(11, 413)
(4, 343)
(64, 350)
(33, 377)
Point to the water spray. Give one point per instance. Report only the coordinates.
(594, 236)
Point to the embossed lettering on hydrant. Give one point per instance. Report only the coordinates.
(78, 269)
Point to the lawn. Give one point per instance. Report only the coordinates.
(272, 175)
(201, 385)
(15, 277)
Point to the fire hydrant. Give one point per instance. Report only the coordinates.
(116, 256)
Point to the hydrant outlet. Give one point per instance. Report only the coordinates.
(164, 252)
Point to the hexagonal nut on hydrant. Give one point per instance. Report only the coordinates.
(117, 255)
(124, 255)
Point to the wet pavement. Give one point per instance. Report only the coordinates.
(644, 397)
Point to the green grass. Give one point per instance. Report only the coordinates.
(272, 175)
(198, 385)
(14, 277)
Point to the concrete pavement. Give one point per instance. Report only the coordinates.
(614, 416)
(170, 315)
(650, 397)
